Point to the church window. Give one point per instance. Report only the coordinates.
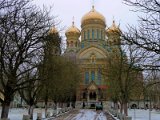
(97, 34)
(84, 35)
(101, 34)
(82, 45)
(92, 34)
(88, 34)
(92, 75)
(71, 43)
(104, 46)
(86, 77)
(99, 77)
(67, 44)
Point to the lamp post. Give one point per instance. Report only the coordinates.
(149, 104)
(134, 106)
(150, 107)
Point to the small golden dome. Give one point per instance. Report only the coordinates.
(113, 28)
(73, 30)
(93, 15)
(53, 30)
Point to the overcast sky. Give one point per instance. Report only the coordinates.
(66, 9)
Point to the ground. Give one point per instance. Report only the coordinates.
(139, 114)
(82, 114)
(87, 114)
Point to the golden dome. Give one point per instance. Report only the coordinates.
(93, 15)
(53, 30)
(73, 30)
(113, 28)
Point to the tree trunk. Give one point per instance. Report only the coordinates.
(70, 104)
(46, 102)
(57, 105)
(138, 104)
(144, 105)
(121, 108)
(116, 107)
(5, 109)
(125, 108)
(30, 111)
(46, 107)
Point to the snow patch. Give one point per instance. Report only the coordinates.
(139, 114)
(90, 115)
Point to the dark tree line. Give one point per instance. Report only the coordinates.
(52, 51)
(60, 76)
(23, 28)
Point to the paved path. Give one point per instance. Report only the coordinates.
(85, 115)
(109, 117)
(69, 115)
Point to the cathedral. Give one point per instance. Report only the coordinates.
(89, 48)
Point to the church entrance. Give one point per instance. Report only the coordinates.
(92, 95)
(92, 91)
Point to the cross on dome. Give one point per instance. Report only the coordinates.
(94, 16)
(93, 2)
(73, 21)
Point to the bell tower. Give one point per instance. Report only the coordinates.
(114, 34)
(72, 35)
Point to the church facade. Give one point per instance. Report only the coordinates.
(90, 48)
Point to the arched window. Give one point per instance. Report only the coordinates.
(84, 35)
(88, 34)
(97, 34)
(86, 77)
(84, 95)
(82, 45)
(101, 34)
(92, 34)
(92, 75)
(99, 77)
(71, 43)
(67, 44)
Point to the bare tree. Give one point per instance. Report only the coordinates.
(147, 34)
(6, 3)
(152, 89)
(23, 27)
(124, 76)
(31, 93)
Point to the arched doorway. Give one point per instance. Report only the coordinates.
(84, 95)
(92, 95)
